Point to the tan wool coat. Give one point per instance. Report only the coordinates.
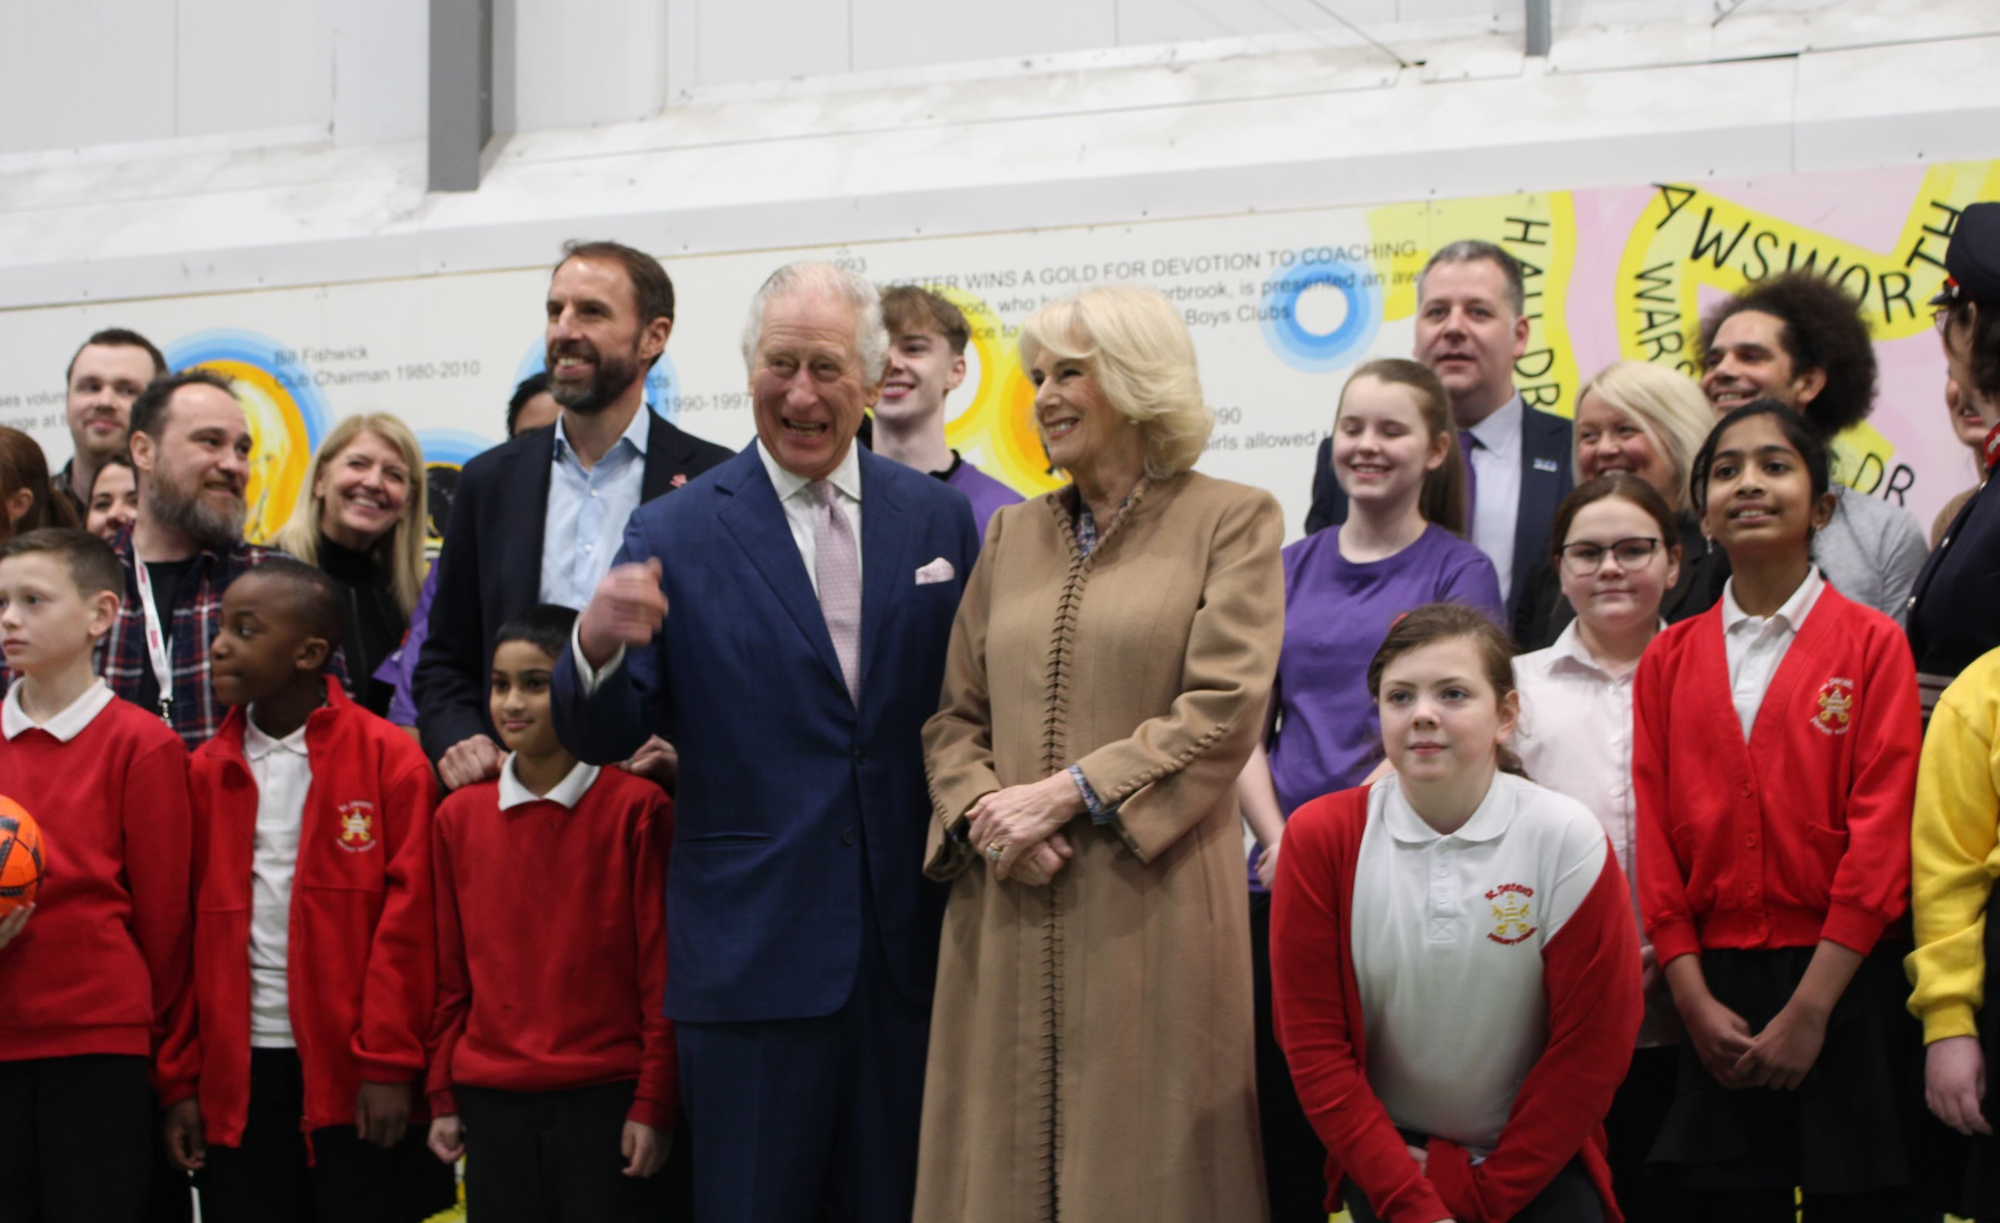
(1091, 1051)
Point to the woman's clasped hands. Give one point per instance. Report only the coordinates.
(1018, 830)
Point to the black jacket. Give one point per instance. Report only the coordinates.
(491, 566)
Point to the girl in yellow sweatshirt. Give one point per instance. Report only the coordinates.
(1954, 858)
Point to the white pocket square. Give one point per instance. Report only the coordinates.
(939, 570)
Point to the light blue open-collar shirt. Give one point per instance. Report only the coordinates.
(587, 510)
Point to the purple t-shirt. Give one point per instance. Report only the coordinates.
(1336, 614)
(986, 493)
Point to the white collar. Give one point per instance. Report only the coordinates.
(846, 477)
(1501, 432)
(64, 726)
(1569, 651)
(636, 432)
(1793, 613)
(1488, 821)
(568, 792)
(257, 744)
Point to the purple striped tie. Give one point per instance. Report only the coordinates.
(837, 564)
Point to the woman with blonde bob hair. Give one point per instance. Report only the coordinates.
(360, 517)
(1143, 360)
(1642, 420)
(1107, 672)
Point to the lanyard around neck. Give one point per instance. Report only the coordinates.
(156, 640)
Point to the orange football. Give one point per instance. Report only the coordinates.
(20, 856)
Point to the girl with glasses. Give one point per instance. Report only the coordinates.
(1616, 550)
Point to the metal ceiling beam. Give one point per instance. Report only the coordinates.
(461, 91)
(1539, 33)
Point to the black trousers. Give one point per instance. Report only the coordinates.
(1569, 1198)
(1294, 1159)
(553, 1157)
(76, 1139)
(1645, 1194)
(266, 1178)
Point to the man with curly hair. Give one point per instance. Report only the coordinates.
(1798, 338)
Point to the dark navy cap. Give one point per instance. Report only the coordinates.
(1972, 261)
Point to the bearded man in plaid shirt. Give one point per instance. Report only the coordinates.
(191, 449)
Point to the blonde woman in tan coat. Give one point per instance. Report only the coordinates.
(1091, 1045)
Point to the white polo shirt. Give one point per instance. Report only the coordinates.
(1448, 933)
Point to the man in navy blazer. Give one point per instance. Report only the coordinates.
(802, 935)
(521, 530)
(1471, 328)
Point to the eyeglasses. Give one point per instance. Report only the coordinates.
(1584, 559)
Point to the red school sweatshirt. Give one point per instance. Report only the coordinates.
(1590, 974)
(360, 966)
(552, 945)
(1802, 833)
(102, 966)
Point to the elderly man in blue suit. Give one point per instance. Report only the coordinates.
(783, 620)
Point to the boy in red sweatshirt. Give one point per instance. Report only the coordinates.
(88, 982)
(554, 1063)
(314, 964)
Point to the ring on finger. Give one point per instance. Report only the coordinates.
(995, 848)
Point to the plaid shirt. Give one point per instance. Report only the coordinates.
(197, 614)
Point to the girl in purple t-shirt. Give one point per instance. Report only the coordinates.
(1396, 455)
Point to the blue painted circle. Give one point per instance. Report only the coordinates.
(1314, 351)
(259, 352)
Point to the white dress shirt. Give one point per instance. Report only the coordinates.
(65, 725)
(1575, 734)
(801, 510)
(283, 774)
(1496, 501)
(1756, 645)
(585, 518)
(1575, 737)
(568, 792)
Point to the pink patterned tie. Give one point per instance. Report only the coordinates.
(838, 566)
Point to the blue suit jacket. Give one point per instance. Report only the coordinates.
(491, 567)
(790, 798)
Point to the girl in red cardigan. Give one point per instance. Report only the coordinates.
(1454, 965)
(1774, 766)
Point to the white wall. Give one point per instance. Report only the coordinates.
(233, 168)
(95, 72)
(120, 72)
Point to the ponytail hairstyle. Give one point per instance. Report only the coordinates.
(1436, 622)
(1442, 499)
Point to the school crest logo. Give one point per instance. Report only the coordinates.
(1833, 709)
(357, 826)
(1513, 916)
